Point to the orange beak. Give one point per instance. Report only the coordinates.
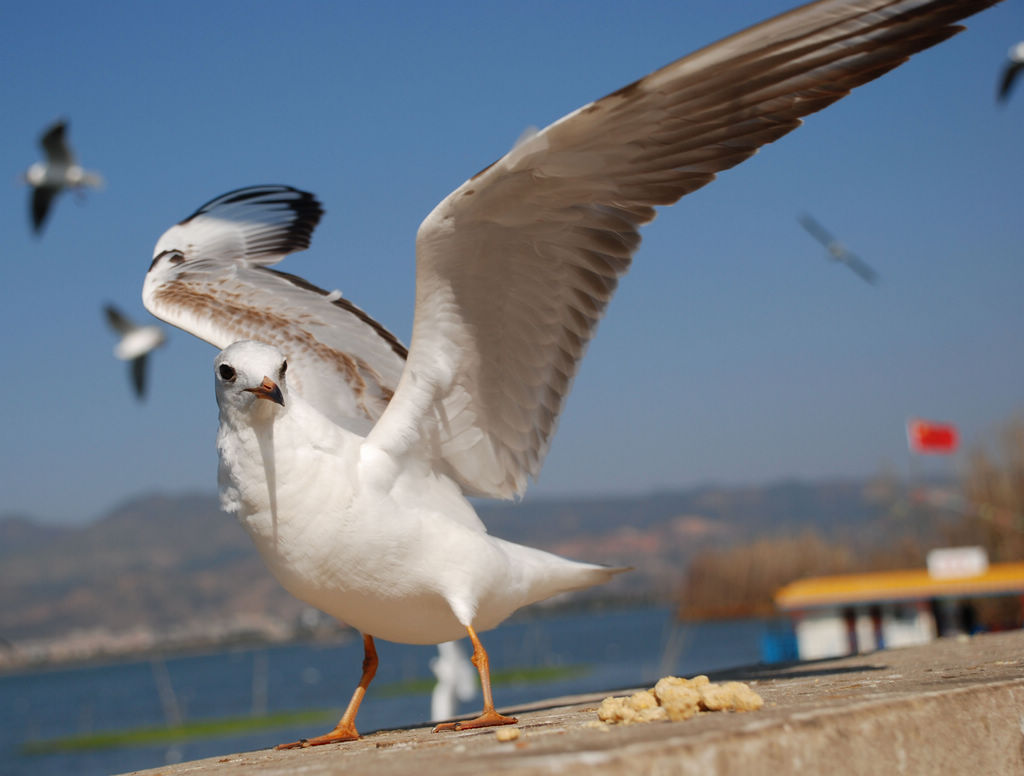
(268, 390)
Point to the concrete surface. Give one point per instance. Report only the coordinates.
(954, 706)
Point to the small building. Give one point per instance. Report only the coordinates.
(850, 613)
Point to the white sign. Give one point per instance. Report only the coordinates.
(956, 562)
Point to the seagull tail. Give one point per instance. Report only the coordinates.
(93, 180)
(545, 574)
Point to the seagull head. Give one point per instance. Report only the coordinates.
(35, 175)
(250, 378)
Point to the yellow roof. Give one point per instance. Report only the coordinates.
(912, 584)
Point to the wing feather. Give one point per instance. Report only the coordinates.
(138, 374)
(118, 321)
(516, 266)
(42, 201)
(211, 276)
(55, 144)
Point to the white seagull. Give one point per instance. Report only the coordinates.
(135, 344)
(350, 465)
(60, 171)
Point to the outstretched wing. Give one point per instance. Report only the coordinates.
(211, 276)
(860, 267)
(1010, 72)
(55, 145)
(138, 375)
(42, 200)
(515, 267)
(118, 321)
(816, 230)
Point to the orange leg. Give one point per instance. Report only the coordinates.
(489, 717)
(345, 730)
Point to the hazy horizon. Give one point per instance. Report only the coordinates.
(909, 479)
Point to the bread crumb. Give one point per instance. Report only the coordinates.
(656, 714)
(615, 710)
(677, 699)
(731, 696)
(643, 700)
(639, 707)
(504, 734)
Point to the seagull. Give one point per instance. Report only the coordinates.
(373, 534)
(456, 680)
(837, 251)
(136, 343)
(1014, 63)
(349, 459)
(60, 171)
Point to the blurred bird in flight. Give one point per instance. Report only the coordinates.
(837, 251)
(1014, 63)
(60, 171)
(136, 343)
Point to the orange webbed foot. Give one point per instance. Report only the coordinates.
(345, 730)
(336, 736)
(487, 719)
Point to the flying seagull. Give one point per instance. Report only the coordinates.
(135, 344)
(60, 171)
(348, 460)
(1014, 63)
(837, 251)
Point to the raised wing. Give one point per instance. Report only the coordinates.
(516, 266)
(118, 321)
(55, 145)
(817, 231)
(211, 277)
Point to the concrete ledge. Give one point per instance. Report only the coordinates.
(955, 706)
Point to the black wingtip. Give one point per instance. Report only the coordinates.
(55, 130)
(297, 226)
(40, 206)
(1010, 73)
(138, 377)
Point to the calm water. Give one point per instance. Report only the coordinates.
(621, 648)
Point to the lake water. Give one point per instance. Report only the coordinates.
(617, 649)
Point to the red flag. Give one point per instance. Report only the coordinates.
(927, 436)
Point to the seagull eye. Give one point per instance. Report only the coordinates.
(284, 368)
(227, 373)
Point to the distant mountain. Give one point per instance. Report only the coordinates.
(151, 562)
(20, 534)
(788, 506)
(162, 561)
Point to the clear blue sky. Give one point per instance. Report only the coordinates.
(734, 351)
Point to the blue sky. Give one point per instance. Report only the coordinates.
(734, 352)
